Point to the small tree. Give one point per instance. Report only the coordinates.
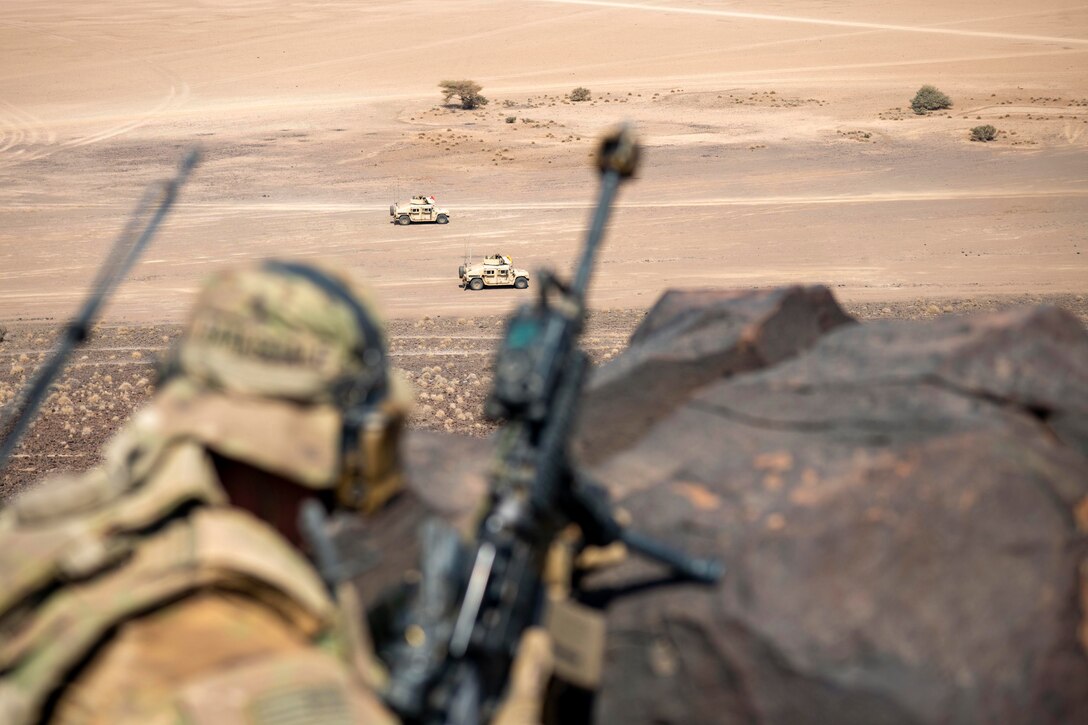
(468, 92)
(983, 133)
(927, 99)
(579, 94)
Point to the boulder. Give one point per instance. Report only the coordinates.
(901, 508)
(445, 476)
(897, 511)
(689, 339)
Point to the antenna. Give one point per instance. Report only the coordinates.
(135, 236)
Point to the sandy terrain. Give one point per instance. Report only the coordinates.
(779, 144)
(779, 148)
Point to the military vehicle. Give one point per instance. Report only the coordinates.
(497, 270)
(420, 209)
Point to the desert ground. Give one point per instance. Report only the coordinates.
(779, 148)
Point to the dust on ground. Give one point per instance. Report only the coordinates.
(447, 359)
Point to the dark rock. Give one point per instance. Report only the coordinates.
(689, 339)
(445, 477)
(896, 512)
(902, 511)
(447, 472)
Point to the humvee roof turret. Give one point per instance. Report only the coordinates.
(497, 270)
(420, 209)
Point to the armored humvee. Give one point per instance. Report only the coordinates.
(497, 270)
(421, 208)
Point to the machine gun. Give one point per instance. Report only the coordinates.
(476, 599)
(135, 236)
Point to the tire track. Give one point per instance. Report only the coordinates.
(1038, 110)
(175, 97)
(921, 29)
(196, 210)
(36, 140)
(471, 41)
(782, 76)
(21, 133)
(748, 47)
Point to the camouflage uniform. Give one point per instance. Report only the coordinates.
(136, 593)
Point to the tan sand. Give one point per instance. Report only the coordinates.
(780, 147)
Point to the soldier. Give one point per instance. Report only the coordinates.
(172, 584)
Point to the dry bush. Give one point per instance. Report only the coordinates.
(927, 99)
(983, 133)
(468, 92)
(579, 94)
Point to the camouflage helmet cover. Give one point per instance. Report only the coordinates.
(284, 330)
(273, 359)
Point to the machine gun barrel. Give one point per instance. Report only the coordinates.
(124, 253)
(592, 511)
(617, 158)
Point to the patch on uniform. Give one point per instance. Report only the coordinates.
(301, 706)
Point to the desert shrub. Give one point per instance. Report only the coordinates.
(3, 333)
(468, 92)
(983, 133)
(927, 99)
(579, 94)
(511, 119)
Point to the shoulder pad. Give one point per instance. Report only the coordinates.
(49, 631)
(68, 527)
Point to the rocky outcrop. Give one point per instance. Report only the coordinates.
(689, 339)
(445, 477)
(896, 511)
(901, 508)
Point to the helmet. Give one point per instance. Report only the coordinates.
(284, 366)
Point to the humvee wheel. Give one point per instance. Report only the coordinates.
(403, 220)
(443, 219)
(521, 283)
(476, 284)
(461, 271)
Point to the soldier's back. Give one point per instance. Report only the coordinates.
(138, 595)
